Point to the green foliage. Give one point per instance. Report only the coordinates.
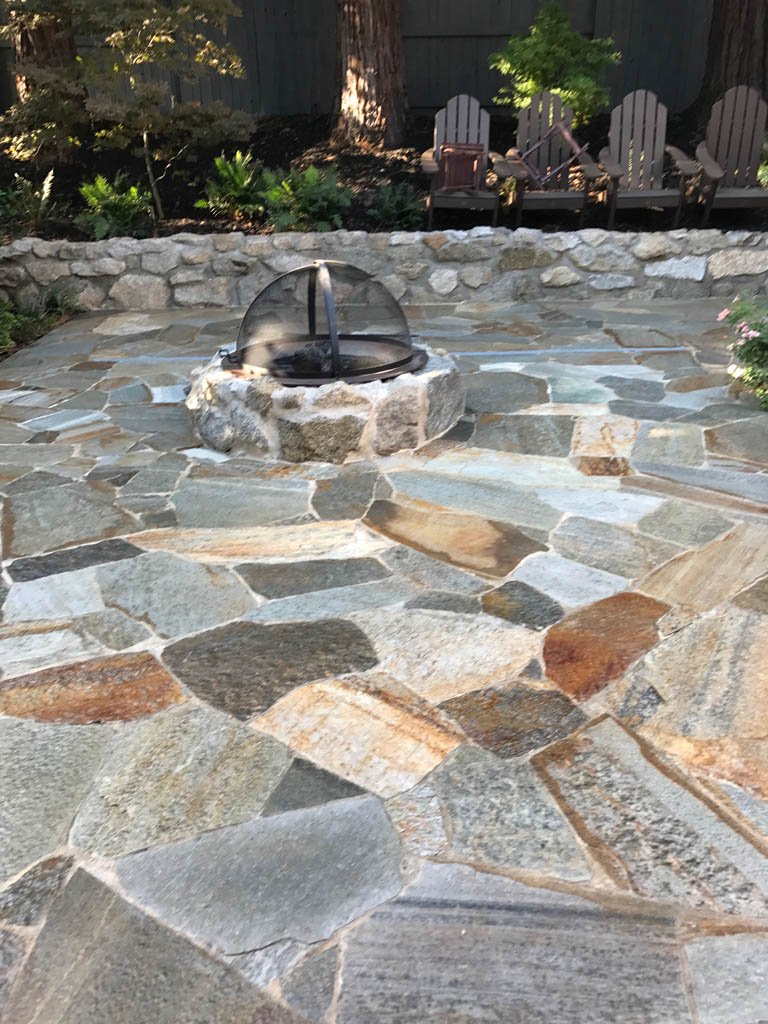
(18, 327)
(750, 349)
(397, 207)
(114, 209)
(238, 189)
(556, 58)
(310, 200)
(26, 206)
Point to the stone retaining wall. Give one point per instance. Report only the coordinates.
(486, 264)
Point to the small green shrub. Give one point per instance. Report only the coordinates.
(397, 207)
(27, 206)
(114, 209)
(238, 190)
(310, 200)
(17, 326)
(750, 349)
(556, 58)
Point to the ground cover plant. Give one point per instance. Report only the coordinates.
(750, 347)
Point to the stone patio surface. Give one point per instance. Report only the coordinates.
(477, 735)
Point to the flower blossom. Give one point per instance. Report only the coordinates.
(723, 314)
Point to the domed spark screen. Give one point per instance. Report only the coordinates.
(323, 322)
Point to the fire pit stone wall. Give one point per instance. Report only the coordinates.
(336, 422)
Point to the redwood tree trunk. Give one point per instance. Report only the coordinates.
(737, 52)
(372, 105)
(50, 44)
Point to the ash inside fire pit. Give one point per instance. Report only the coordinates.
(325, 322)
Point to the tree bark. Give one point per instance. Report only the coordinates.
(737, 51)
(372, 106)
(49, 44)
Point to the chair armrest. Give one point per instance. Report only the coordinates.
(683, 164)
(429, 165)
(504, 168)
(611, 166)
(588, 167)
(709, 165)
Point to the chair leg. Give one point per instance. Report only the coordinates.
(495, 216)
(430, 212)
(709, 199)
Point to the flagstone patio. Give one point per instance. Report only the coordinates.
(476, 734)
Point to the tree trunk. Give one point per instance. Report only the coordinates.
(371, 105)
(737, 52)
(47, 45)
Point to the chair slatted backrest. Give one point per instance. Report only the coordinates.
(735, 135)
(462, 120)
(534, 122)
(637, 138)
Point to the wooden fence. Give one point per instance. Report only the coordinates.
(289, 50)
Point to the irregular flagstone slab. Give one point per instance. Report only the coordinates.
(521, 603)
(684, 523)
(481, 545)
(239, 503)
(680, 444)
(530, 435)
(47, 770)
(610, 548)
(306, 785)
(496, 391)
(328, 604)
(196, 769)
(244, 667)
(113, 629)
(701, 579)
(263, 965)
(439, 600)
(652, 834)
(598, 643)
(25, 647)
(26, 900)
(173, 595)
(633, 389)
(606, 507)
(281, 579)
(747, 439)
(98, 958)
(567, 582)
(438, 655)
(513, 722)
(69, 594)
(309, 988)
(750, 806)
(345, 496)
(505, 467)
(604, 437)
(39, 521)
(503, 501)
(13, 949)
(24, 569)
(753, 487)
(297, 875)
(498, 942)
(418, 819)
(102, 690)
(755, 598)
(729, 971)
(706, 683)
(308, 540)
(502, 814)
(370, 731)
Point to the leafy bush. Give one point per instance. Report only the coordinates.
(17, 326)
(310, 200)
(238, 191)
(114, 209)
(556, 58)
(750, 349)
(26, 205)
(397, 207)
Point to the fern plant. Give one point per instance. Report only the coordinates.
(114, 208)
(26, 205)
(556, 58)
(310, 200)
(238, 189)
(397, 207)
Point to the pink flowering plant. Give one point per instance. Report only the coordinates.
(750, 346)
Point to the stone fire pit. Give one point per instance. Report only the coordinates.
(246, 411)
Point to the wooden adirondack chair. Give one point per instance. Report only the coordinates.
(457, 163)
(634, 157)
(542, 158)
(731, 153)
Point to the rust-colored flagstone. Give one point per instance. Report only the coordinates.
(113, 689)
(469, 541)
(373, 732)
(596, 644)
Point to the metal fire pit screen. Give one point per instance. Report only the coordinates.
(323, 322)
